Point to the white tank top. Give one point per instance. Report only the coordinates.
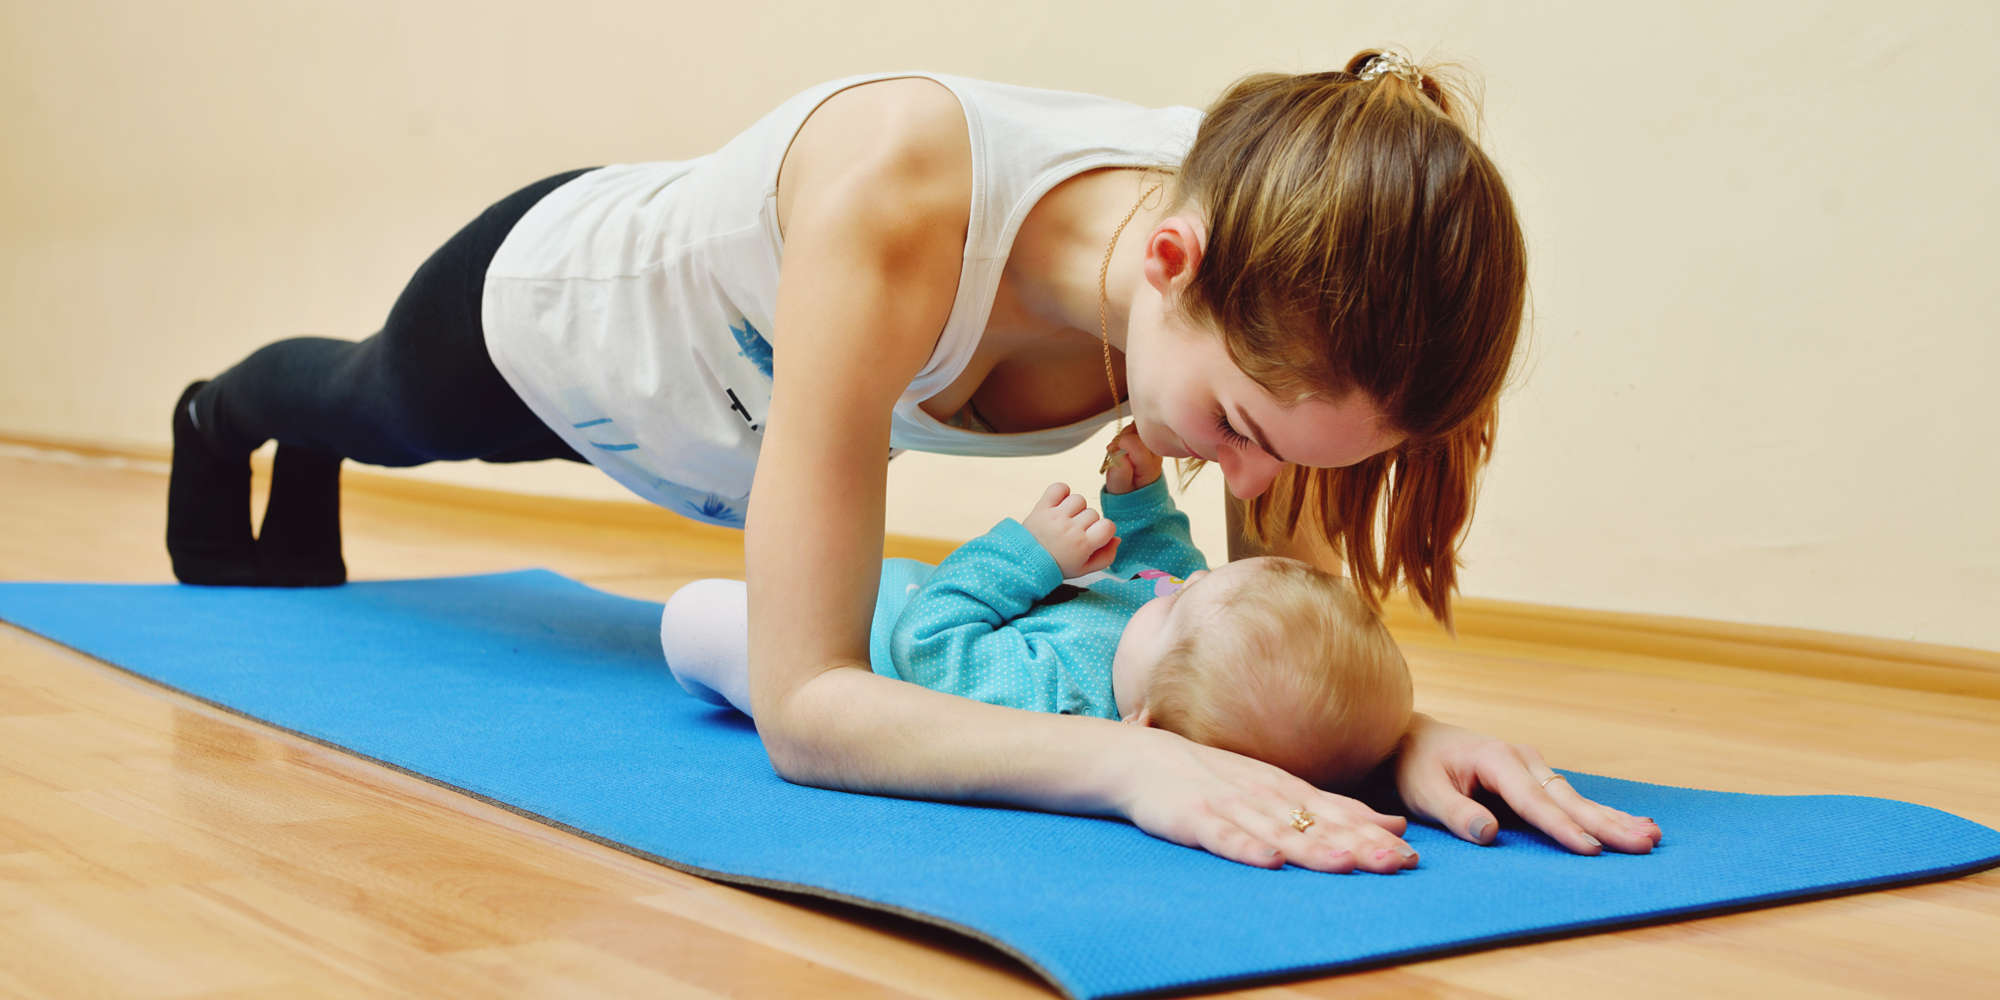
(632, 308)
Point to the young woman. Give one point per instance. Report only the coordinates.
(1317, 286)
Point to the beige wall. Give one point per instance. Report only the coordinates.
(1759, 387)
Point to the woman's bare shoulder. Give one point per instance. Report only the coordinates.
(904, 141)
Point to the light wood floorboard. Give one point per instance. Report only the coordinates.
(151, 846)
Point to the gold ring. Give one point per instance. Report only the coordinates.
(1302, 819)
(1552, 777)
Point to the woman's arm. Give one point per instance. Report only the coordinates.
(1440, 765)
(874, 205)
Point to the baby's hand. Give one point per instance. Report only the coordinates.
(1080, 540)
(1132, 465)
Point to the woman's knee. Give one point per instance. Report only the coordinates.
(286, 391)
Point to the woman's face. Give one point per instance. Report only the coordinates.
(1191, 401)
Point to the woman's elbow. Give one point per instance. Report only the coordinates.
(800, 727)
(792, 756)
(787, 760)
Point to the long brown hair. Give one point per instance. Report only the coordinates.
(1360, 241)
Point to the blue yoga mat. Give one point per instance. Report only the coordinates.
(551, 699)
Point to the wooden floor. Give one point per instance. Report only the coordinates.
(153, 847)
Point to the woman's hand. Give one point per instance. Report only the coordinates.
(1441, 766)
(1079, 539)
(1242, 810)
(1130, 464)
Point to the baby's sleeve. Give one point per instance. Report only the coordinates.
(1152, 532)
(955, 635)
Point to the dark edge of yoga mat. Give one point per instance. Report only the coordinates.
(1185, 989)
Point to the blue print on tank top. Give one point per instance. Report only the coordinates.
(753, 346)
(618, 453)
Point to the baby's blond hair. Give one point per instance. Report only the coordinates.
(1291, 667)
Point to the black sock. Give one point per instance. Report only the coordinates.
(208, 508)
(299, 545)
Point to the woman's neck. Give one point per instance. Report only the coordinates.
(1053, 265)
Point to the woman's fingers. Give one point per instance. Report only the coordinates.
(1397, 825)
(1323, 832)
(1441, 766)
(1523, 791)
(1600, 824)
(1616, 830)
(1231, 842)
(1342, 839)
(1435, 797)
(1250, 812)
(1545, 799)
(1637, 825)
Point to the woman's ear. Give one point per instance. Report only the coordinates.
(1173, 252)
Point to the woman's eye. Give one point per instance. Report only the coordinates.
(1229, 432)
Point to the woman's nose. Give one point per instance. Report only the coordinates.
(1249, 471)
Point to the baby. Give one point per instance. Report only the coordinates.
(1267, 657)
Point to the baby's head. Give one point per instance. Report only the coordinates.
(1273, 659)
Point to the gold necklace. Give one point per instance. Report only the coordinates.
(1104, 323)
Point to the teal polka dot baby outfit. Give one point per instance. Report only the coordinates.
(996, 623)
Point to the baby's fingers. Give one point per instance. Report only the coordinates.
(1130, 441)
(1101, 558)
(1118, 473)
(1100, 532)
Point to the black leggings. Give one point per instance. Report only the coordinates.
(421, 390)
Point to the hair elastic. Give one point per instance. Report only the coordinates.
(1393, 64)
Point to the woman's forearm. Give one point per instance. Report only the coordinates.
(853, 730)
